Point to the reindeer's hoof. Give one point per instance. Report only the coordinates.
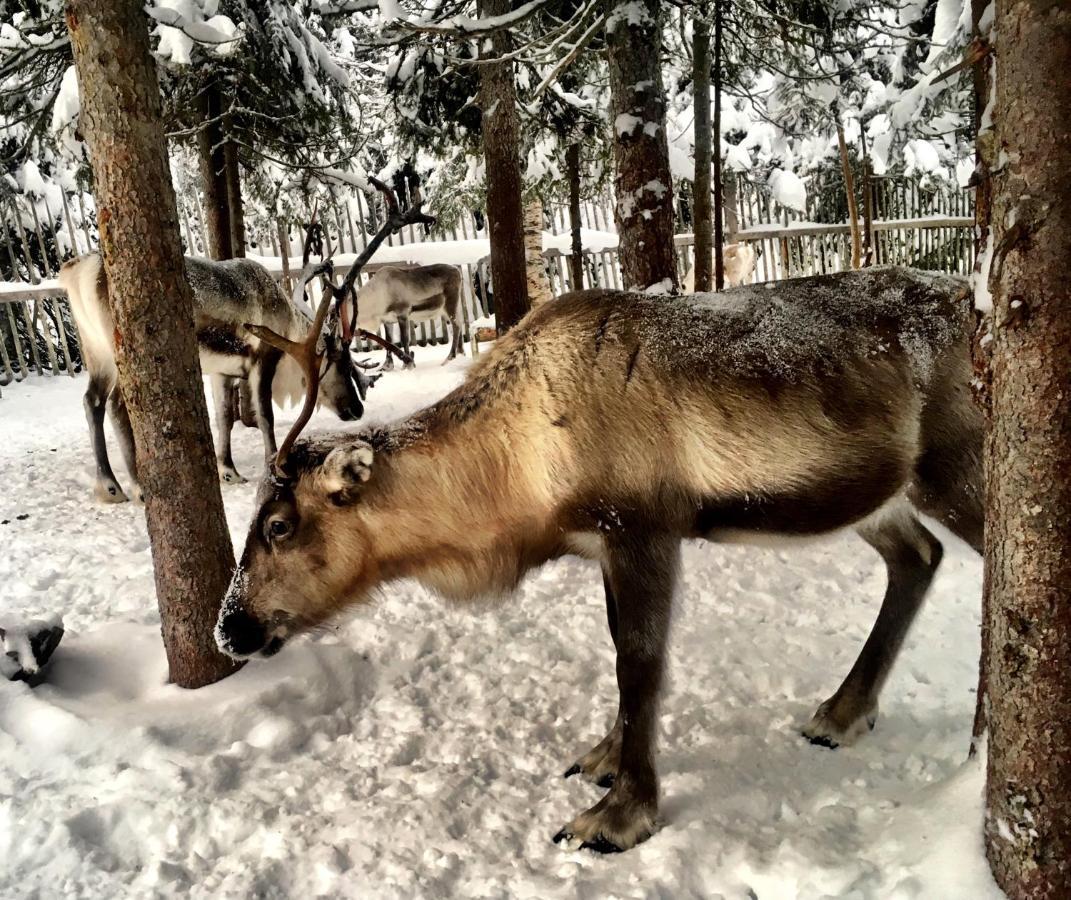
(598, 845)
(229, 475)
(835, 724)
(109, 492)
(616, 823)
(600, 764)
(410, 365)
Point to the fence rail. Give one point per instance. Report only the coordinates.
(912, 225)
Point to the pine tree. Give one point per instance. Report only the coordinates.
(156, 349)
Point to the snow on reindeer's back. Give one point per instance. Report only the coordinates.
(789, 328)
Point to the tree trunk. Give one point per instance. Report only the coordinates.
(156, 350)
(719, 186)
(500, 127)
(868, 212)
(538, 284)
(701, 214)
(849, 190)
(643, 186)
(232, 177)
(210, 144)
(984, 141)
(1028, 460)
(576, 246)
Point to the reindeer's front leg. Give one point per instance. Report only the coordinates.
(641, 571)
(224, 395)
(601, 762)
(261, 377)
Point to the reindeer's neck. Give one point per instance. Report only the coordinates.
(462, 507)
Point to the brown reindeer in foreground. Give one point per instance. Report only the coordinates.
(616, 425)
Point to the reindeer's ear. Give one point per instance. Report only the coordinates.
(345, 470)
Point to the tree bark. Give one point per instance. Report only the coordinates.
(1028, 460)
(719, 186)
(210, 145)
(643, 207)
(538, 284)
(849, 190)
(980, 180)
(576, 246)
(500, 128)
(232, 177)
(156, 349)
(701, 209)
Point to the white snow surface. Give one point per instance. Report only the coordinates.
(417, 749)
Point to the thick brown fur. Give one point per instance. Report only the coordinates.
(227, 295)
(615, 425)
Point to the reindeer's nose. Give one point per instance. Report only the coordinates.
(241, 634)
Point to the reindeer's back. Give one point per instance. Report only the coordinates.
(236, 291)
(723, 392)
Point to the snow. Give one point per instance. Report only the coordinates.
(788, 189)
(416, 749)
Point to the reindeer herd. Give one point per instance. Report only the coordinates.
(609, 425)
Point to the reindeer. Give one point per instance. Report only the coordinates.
(226, 296)
(412, 293)
(615, 425)
(739, 259)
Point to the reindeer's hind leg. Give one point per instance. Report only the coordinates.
(601, 762)
(642, 571)
(455, 341)
(95, 401)
(403, 325)
(224, 394)
(912, 555)
(125, 432)
(388, 364)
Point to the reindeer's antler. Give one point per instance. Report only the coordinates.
(307, 353)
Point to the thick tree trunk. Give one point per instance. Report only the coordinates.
(984, 140)
(701, 209)
(538, 284)
(159, 373)
(576, 245)
(500, 127)
(643, 186)
(1028, 460)
(210, 146)
(849, 190)
(719, 185)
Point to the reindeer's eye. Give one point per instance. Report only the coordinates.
(279, 529)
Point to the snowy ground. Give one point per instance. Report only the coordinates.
(418, 751)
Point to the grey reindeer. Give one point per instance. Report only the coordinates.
(227, 295)
(404, 294)
(614, 426)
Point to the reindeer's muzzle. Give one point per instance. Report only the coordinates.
(239, 634)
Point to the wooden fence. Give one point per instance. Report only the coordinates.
(927, 227)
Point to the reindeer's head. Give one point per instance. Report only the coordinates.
(306, 554)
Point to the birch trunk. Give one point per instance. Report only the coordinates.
(538, 284)
(703, 222)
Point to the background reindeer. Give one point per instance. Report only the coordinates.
(226, 295)
(412, 294)
(739, 261)
(615, 425)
